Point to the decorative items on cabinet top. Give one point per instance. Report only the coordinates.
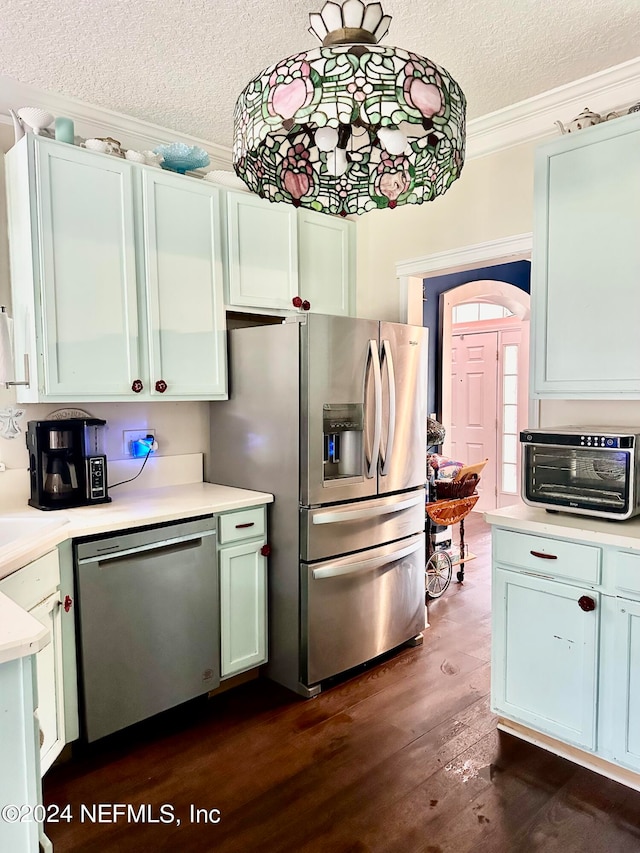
(173, 156)
(587, 118)
(181, 158)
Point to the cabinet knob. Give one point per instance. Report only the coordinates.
(586, 603)
(297, 302)
(306, 305)
(68, 603)
(161, 386)
(265, 550)
(137, 386)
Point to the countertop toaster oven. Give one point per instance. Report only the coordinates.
(584, 470)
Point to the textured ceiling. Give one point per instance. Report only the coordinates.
(181, 63)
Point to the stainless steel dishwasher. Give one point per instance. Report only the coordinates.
(148, 618)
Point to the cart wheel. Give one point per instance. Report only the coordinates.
(437, 574)
(460, 576)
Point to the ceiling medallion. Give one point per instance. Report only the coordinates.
(351, 126)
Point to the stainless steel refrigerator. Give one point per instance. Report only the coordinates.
(329, 415)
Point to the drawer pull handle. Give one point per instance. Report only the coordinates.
(586, 603)
(543, 556)
(246, 524)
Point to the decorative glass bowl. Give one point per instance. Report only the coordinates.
(180, 157)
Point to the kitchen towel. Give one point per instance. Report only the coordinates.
(6, 359)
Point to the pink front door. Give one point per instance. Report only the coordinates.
(473, 433)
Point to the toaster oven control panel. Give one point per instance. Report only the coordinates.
(563, 439)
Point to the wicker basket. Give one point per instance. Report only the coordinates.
(448, 512)
(449, 489)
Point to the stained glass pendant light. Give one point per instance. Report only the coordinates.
(350, 126)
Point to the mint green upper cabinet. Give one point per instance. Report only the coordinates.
(117, 288)
(326, 262)
(184, 286)
(276, 252)
(73, 264)
(263, 252)
(586, 263)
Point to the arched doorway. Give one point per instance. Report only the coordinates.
(421, 302)
(484, 381)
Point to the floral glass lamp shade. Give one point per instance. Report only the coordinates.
(350, 126)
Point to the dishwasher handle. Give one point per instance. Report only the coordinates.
(178, 542)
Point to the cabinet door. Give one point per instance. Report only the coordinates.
(184, 287)
(627, 680)
(87, 272)
(50, 683)
(326, 262)
(586, 263)
(545, 656)
(243, 607)
(263, 254)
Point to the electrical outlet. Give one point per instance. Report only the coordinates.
(131, 435)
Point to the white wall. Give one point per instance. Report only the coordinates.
(180, 427)
(492, 199)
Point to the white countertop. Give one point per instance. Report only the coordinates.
(29, 533)
(620, 534)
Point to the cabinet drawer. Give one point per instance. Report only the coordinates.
(628, 571)
(35, 582)
(244, 524)
(554, 558)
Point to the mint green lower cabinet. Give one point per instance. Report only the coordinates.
(243, 607)
(545, 656)
(19, 761)
(627, 667)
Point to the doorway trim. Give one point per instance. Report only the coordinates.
(410, 273)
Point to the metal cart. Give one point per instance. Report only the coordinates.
(439, 566)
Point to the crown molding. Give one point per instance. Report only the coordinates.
(490, 253)
(614, 89)
(90, 121)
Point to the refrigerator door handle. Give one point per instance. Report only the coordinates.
(387, 360)
(357, 568)
(373, 359)
(356, 514)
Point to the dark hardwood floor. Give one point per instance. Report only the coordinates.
(403, 757)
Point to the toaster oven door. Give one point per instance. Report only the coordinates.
(596, 481)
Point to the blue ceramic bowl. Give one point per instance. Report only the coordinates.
(180, 157)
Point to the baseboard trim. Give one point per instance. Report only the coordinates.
(572, 753)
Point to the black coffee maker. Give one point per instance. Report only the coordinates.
(67, 464)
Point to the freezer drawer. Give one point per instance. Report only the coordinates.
(354, 526)
(355, 608)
